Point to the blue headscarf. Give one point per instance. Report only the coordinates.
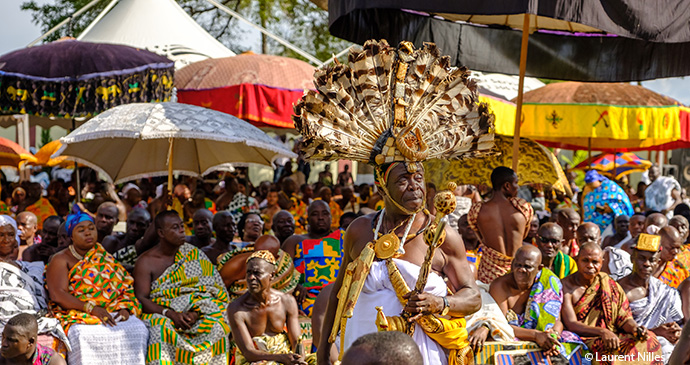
(592, 176)
(74, 219)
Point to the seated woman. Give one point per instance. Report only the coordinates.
(93, 297)
(21, 287)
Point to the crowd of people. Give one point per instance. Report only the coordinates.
(236, 274)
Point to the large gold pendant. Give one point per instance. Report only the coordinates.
(387, 246)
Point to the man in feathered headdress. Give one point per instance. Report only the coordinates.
(395, 108)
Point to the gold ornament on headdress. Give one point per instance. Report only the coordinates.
(648, 242)
(264, 255)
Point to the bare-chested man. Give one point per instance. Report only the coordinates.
(569, 220)
(502, 223)
(202, 221)
(226, 229)
(283, 225)
(180, 291)
(126, 248)
(596, 308)
(622, 225)
(670, 270)
(512, 292)
(261, 315)
(107, 217)
(20, 344)
(406, 193)
(654, 304)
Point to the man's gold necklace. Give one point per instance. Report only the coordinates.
(75, 253)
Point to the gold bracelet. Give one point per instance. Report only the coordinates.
(88, 307)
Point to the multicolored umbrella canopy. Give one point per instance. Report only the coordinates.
(12, 154)
(71, 78)
(615, 165)
(609, 116)
(537, 165)
(257, 88)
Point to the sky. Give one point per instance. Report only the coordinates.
(20, 31)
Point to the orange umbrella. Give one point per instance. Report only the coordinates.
(12, 154)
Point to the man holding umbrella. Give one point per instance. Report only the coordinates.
(605, 201)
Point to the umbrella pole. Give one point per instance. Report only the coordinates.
(170, 168)
(521, 84)
(589, 151)
(76, 167)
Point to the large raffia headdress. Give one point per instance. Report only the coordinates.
(392, 105)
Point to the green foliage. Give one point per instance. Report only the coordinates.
(299, 21)
(578, 157)
(45, 137)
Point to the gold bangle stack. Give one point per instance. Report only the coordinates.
(88, 307)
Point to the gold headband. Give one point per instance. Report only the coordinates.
(648, 242)
(264, 255)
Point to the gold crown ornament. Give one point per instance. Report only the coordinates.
(648, 242)
(264, 255)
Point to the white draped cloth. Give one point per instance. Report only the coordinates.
(124, 343)
(490, 314)
(661, 305)
(378, 291)
(22, 291)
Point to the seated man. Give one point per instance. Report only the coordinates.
(107, 217)
(549, 241)
(595, 307)
(622, 235)
(654, 304)
(92, 296)
(587, 232)
(202, 222)
(471, 241)
(20, 344)
(569, 220)
(183, 298)
(124, 247)
(226, 229)
(383, 348)
(261, 317)
(317, 254)
(283, 226)
(670, 270)
(233, 264)
(21, 286)
(49, 242)
(530, 299)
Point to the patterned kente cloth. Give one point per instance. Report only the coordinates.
(543, 309)
(191, 283)
(563, 265)
(607, 194)
(298, 210)
(22, 291)
(492, 265)
(42, 209)
(278, 344)
(605, 305)
(661, 305)
(102, 281)
(658, 194)
(318, 262)
(43, 355)
(285, 277)
(573, 247)
(674, 273)
(126, 255)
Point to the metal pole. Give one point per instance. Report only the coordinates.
(62, 23)
(521, 84)
(261, 29)
(76, 167)
(98, 18)
(334, 57)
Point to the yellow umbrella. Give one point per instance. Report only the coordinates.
(609, 116)
(12, 154)
(537, 165)
(504, 111)
(43, 156)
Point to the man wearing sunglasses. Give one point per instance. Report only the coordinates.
(549, 240)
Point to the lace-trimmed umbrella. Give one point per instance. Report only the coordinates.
(138, 140)
(260, 89)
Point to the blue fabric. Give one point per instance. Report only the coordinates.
(608, 193)
(592, 176)
(74, 219)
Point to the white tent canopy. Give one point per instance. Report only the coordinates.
(160, 26)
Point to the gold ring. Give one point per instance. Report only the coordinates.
(105, 318)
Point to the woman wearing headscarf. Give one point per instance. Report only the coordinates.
(93, 297)
(605, 201)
